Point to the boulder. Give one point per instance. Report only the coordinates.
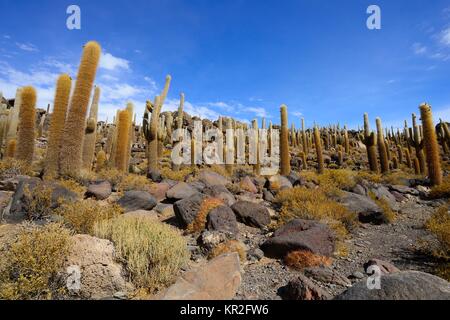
(303, 288)
(159, 190)
(137, 200)
(219, 279)
(385, 267)
(186, 209)
(404, 285)
(99, 190)
(327, 275)
(220, 192)
(251, 214)
(222, 218)
(368, 211)
(208, 240)
(212, 179)
(300, 234)
(381, 192)
(180, 191)
(247, 184)
(277, 182)
(101, 276)
(404, 190)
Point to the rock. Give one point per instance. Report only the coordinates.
(222, 218)
(180, 191)
(403, 285)
(152, 215)
(255, 254)
(197, 185)
(303, 288)
(154, 175)
(99, 190)
(399, 197)
(165, 210)
(137, 200)
(357, 275)
(368, 211)
(327, 275)
(101, 276)
(159, 190)
(381, 192)
(404, 190)
(220, 192)
(359, 189)
(11, 183)
(268, 196)
(247, 184)
(211, 239)
(300, 234)
(385, 267)
(277, 182)
(186, 209)
(219, 279)
(211, 178)
(251, 214)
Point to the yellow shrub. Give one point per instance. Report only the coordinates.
(439, 225)
(302, 259)
(31, 264)
(332, 180)
(384, 205)
(228, 247)
(125, 182)
(369, 176)
(442, 190)
(38, 201)
(82, 215)
(10, 167)
(168, 173)
(205, 208)
(73, 186)
(153, 252)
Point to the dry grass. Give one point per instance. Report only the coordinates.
(153, 252)
(442, 190)
(72, 185)
(199, 222)
(124, 182)
(369, 176)
(30, 266)
(180, 175)
(38, 201)
(302, 259)
(228, 247)
(384, 205)
(11, 167)
(81, 216)
(332, 180)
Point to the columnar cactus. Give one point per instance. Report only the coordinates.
(123, 130)
(416, 141)
(382, 149)
(62, 94)
(284, 143)
(431, 145)
(318, 145)
(91, 132)
(257, 165)
(408, 158)
(130, 110)
(370, 141)
(74, 127)
(304, 139)
(400, 154)
(26, 128)
(14, 119)
(346, 141)
(100, 161)
(11, 148)
(229, 149)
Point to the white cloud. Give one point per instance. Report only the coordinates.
(445, 37)
(27, 47)
(419, 49)
(259, 112)
(6, 36)
(297, 114)
(110, 62)
(109, 77)
(442, 113)
(152, 83)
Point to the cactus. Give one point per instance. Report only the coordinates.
(394, 162)
(318, 144)
(91, 132)
(416, 166)
(11, 148)
(179, 125)
(74, 127)
(284, 143)
(399, 154)
(229, 149)
(408, 158)
(431, 145)
(257, 165)
(370, 142)
(304, 139)
(26, 127)
(100, 161)
(304, 163)
(130, 110)
(14, 119)
(382, 148)
(123, 130)
(346, 141)
(62, 94)
(415, 140)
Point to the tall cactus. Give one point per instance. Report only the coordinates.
(123, 130)
(14, 119)
(26, 127)
(318, 144)
(370, 142)
(284, 143)
(62, 94)
(257, 165)
(229, 149)
(382, 148)
(91, 132)
(431, 145)
(130, 110)
(415, 140)
(73, 134)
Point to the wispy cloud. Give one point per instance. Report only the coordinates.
(258, 111)
(6, 36)
(445, 37)
(110, 62)
(419, 49)
(27, 47)
(297, 114)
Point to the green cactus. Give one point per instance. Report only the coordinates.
(382, 148)
(370, 142)
(416, 141)
(91, 132)
(318, 145)
(26, 127)
(284, 143)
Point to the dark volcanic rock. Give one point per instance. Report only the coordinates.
(186, 209)
(303, 288)
(137, 200)
(222, 219)
(99, 190)
(252, 214)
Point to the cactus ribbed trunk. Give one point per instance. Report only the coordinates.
(382, 149)
(417, 142)
(14, 120)
(370, 142)
(90, 136)
(318, 145)
(74, 127)
(130, 109)
(123, 130)
(284, 143)
(431, 145)
(26, 127)
(58, 118)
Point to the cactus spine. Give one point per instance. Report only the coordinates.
(123, 130)
(370, 141)
(431, 145)
(318, 144)
(284, 143)
(62, 94)
(73, 134)
(382, 148)
(26, 127)
(91, 132)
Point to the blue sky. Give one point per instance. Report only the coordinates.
(241, 58)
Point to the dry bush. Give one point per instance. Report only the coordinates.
(228, 247)
(398, 178)
(72, 185)
(368, 176)
(315, 204)
(200, 219)
(38, 201)
(82, 215)
(302, 259)
(30, 266)
(442, 190)
(332, 180)
(153, 252)
(124, 182)
(11, 167)
(384, 205)
(180, 175)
